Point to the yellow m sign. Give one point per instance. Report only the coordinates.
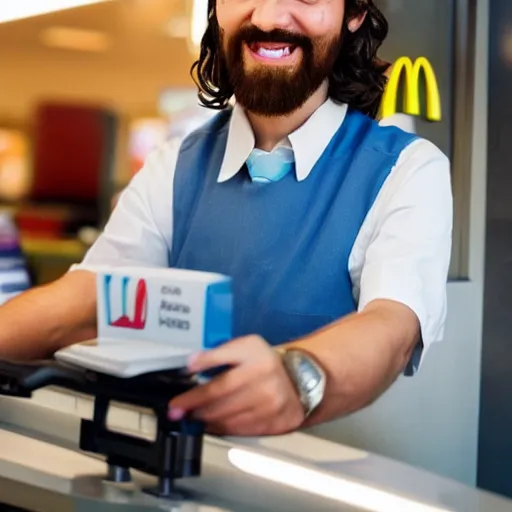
(411, 89)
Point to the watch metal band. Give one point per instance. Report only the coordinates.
(306, 375)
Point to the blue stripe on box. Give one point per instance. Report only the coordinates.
(218, 320)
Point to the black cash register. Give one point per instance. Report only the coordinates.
(175, 452)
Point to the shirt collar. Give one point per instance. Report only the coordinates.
(308, 142)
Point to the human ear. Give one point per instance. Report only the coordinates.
(355, 23)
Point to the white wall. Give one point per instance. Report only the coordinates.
(432, 420)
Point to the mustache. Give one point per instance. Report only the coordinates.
(251, 34)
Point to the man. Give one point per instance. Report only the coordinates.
(336, 231)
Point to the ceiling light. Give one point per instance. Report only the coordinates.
(75, 39)
(10, 11)
(362, 496)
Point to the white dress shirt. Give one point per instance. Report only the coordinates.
(402, 251)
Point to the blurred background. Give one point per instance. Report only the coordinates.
(85, 94)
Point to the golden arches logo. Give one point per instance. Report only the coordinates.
(411, 89)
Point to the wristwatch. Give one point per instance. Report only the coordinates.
(306, 375)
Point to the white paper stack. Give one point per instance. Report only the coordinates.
(154, 319)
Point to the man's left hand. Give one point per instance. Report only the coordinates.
(254, 397)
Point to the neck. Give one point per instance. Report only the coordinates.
(269, 131)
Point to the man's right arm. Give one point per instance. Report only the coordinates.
(47, 318)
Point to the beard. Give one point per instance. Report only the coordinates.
(273, 91)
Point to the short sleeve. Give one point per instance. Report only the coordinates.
(409, 235)
(139, 231)
(405, 122)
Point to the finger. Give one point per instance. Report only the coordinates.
(232, 405)
(244, 424)
(249, 424)
(269, 396)
(252, 423)
(205, 394)
(233, 353)
(268, 411)
(266, 402)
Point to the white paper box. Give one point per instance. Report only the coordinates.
(153, 319)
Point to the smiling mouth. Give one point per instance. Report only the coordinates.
(274, 51)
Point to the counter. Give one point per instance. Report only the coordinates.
(42, 470)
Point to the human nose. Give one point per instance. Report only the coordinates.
(272, 14)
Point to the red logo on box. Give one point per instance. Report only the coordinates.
(133, 316)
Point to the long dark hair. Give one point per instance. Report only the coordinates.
(357, 77)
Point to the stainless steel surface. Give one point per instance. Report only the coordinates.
(46, 477)
(464, 66)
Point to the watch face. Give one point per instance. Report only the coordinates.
(309, 375)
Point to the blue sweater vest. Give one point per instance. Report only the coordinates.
(285, 244)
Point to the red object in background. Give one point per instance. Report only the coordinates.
(34, 224)
(69, 153)
(73, 148)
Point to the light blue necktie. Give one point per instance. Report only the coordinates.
(270, 167)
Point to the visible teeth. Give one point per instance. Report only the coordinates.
(274, 53)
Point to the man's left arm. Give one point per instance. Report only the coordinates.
(402, 289)
(361, 355)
